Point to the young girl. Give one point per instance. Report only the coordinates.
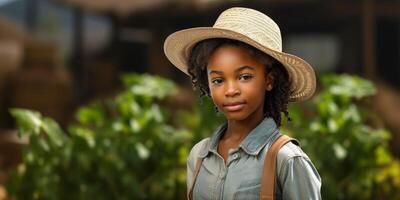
(239, 63)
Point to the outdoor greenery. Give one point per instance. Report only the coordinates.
(124, 148)
(134, 146)
(346, 142)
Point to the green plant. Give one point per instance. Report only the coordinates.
(202, 120)
(336, 129)
(123, 148)
(132, 147)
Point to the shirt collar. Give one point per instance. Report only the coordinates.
(253, 143)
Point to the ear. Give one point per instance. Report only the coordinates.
(269, 81)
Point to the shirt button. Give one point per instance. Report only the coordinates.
(235, 156)
(223, 176)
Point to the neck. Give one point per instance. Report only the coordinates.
(238, 129)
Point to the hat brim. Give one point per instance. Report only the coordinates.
(178, 45)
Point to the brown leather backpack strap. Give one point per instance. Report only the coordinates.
(195, 173)
(268, 179)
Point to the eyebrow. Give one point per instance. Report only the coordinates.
(237, 70)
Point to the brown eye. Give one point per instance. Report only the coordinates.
(217, 81)
(245, 77)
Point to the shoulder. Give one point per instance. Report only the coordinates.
(197, 150)
(290, 153)
(199, 146)
(296, 173)
(290, 150)
(292, 159)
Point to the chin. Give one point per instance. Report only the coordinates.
(235, 116)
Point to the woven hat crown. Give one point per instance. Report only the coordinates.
(252, 24)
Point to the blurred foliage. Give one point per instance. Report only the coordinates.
(135, 147)
(123, 148)
(336, 129)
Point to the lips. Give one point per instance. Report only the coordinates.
(234, 106)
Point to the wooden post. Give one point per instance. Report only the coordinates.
(78, 50)
(368, 35)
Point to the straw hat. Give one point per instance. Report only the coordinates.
(251, 27)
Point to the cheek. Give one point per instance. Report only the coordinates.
(255, 88)
(255, 92)
(215, 93)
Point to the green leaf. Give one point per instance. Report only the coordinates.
(383, 156)
(348, 86)
(340, 152)
(143, 152)
(148, 86)
(135, 125)
(53, 130)
(333, 125)
(92, 114)
(86, 134)
(28, 121)
(43, 144)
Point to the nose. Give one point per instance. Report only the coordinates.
(231, 89)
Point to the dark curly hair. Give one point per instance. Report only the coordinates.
(276, 100)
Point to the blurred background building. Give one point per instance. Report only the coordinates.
(58, 54)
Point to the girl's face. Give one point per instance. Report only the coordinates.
(238, 83)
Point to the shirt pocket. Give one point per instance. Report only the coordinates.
(248, 190)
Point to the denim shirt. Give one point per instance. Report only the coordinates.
(239, 177)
